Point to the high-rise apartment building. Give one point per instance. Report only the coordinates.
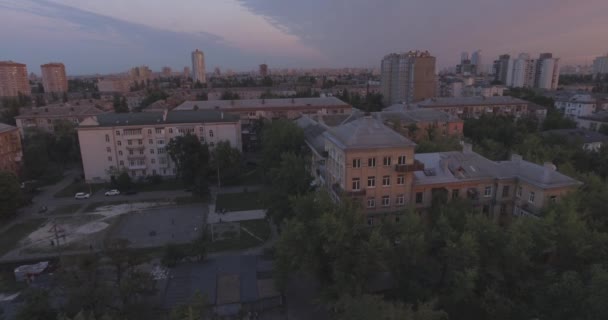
(10, 149)
(464, 56)
(525, 72)
(263, 70)
(547, 72)
(54, 78)
(198, 66)
(501, 67)
(477, 61)
(408, 77)
(13, 79)
(600, 65)
(186, 72)
(166, 71)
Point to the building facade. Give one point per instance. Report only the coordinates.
(600, 65)
(378, 168)
(198, 67)
(136, 142)
(408, 77)
(45, 118)
(10, 149)
(501, 67)
(54, 78)
(525, 72)
(547, 72)
(263, 70)
(578, 105)
(475, 107)
(594, 121)
(13, 79)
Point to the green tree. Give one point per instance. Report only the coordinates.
(10, 194)
(226, 160)
(371, 307)
(37, 306)
(229, 95)
(279, 137)
(192, 161)
(291, 178)
(196, 308)
(120, 104)
(123, 181)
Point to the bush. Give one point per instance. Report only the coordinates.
(172, 255)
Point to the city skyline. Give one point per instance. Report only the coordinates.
(120, 35)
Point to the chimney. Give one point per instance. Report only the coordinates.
(165, 112)
(516, 158)
(467, 148)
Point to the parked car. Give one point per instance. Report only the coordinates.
(82, 195)
(112, 192)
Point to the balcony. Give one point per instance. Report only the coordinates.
(338, 190)
(136, 156)
(137, 166)
(136, 147)
(416, 166)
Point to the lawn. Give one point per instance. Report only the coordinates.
(67, 209)
(79, 186)
(260, 228)
(10, 238)
(239, 201)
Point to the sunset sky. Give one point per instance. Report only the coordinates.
(114, 35)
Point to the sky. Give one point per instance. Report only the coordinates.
(107, 36)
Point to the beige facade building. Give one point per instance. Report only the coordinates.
(10, 149)
(408, 77)
(368, 161)
(13, 79)
(136, 142)
(54, 78)
(46, 117)
(198, 67)
(474, 107)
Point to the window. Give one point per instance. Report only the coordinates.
(153, 161)
(149, 131)
(503, 208)
(117, 132)
(531, 197)
(400, 200)
(371, 162)
(386, 181)
(387, 161)
(505, 191)
(130, 152)
(400, 179)
(140, 142)
(418, 197)
(159, 131)
(356, 184)
(386, 201)
(370, 221)
(487, 192)
(141, 152)
(211, 133)
(371, 202)
(131, 132)
(170, 130)
(455, 193)
(129, 142)
(519, 192)
(108, 149)
(120, 153)
(161, 142)
(119, 143)
(151, 151)
(150, 141)
(371, 182)
(356, 163)
(122, 163)
(401, 160)
(109, 158)
(107, 138)
(160, 150)
(111, 167)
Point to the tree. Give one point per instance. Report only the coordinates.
(371, 307)
(291, 178)
(196, 308)
(191, 158)
(229, 95)
(278, 137)
(603, 129)
(37, 306)
(120, 104)
(10, 194)
(226, 160)
(123, 181)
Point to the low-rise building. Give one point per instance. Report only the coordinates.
(46, 117)
(136, 142)
(368, 161)
(248, 93)
(474, 107)
(10, 149)
(593, 121)
(589, 140)
(578, 105)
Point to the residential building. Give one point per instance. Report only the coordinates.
(263, 70)
(464, 56)
(589, 140)
(547, 72)
(600, 65)
(466, 68)
(13, 79)
(198, 66)
(578, 105)
(408, 77)
(54, 79)
(483, 91)
(166, 72)
(136, 142)
(525, 72)
(114, 84)
(10, 149)
(367, 161)
(594, 121)
(477, 61)
(501, 67)
(474, 107)
(186, 73)
(45, 117)
(140, 73)
(247, 93)
(521, 72)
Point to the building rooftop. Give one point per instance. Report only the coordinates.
(11, 63)
(6, 127)
(582, 135)
(264, 103)
(416, 115)
(59, 111)
(313, 133)
(153, 118)
(470, 101)
(457, 166)
(366, 133)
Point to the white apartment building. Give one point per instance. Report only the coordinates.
(600, 65)
(579, 105)
(525, 72)
(136, 142)
(198, 66)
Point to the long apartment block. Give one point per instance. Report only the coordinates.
(136, 142)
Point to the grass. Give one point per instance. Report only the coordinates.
(67, 209)
(239, 201)
(79, 186)
(10, 238)
(259, 227)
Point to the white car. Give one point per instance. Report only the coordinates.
(112, 192)
(82, 195)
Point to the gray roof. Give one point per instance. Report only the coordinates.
(601, 116)
(365, 133)
(573, 135)
(6, 127)
(264, 103)
(456, 166)
(64, 110)
(313, 133)
(470, 101)
(417, 115)
(153, 118)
